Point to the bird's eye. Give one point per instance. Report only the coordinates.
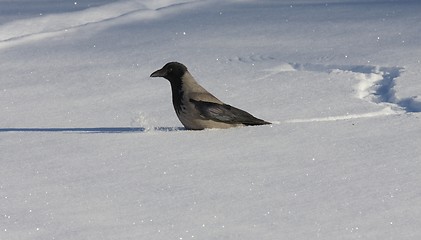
(170, 70)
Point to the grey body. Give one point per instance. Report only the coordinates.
(198, 109)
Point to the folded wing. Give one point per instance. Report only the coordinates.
(226, 113)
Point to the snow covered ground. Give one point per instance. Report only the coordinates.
(91, 147)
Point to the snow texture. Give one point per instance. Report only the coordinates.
(92, 149)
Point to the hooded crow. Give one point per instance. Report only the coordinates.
(198, 109)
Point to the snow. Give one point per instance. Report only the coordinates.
(91, 147)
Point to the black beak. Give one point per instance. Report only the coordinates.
(159, 73)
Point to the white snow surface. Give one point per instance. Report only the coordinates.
(90, 146)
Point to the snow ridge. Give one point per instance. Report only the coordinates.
(42, 27)
(376, 83)
(384, 112)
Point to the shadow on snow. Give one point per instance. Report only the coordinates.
(94, 130)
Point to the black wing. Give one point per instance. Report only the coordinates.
(226, 113)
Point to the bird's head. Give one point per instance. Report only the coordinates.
(172, 71)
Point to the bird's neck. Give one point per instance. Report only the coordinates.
(190, 83)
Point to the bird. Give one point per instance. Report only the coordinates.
(196, 108)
